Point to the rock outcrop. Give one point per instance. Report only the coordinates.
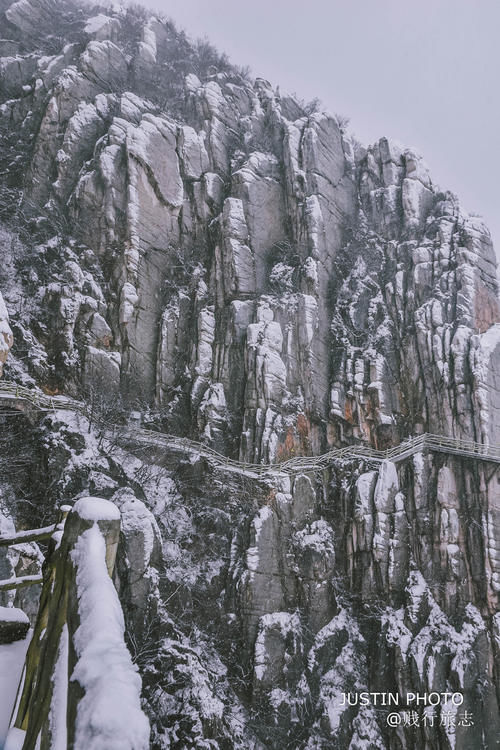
(14, 624)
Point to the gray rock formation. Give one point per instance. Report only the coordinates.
(14, 624)
(186, 242)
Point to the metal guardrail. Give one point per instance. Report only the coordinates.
(296, 464)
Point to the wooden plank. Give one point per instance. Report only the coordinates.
(18, 583)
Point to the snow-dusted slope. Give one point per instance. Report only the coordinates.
(228, 261)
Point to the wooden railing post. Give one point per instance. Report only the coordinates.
(35, 698)
(86, 542)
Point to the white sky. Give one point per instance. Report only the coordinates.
(424, 72)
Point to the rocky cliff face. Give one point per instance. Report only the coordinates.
(225, 259)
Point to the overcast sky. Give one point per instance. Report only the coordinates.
(424, 72)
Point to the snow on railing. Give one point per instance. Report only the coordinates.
(19, 582)
(31, 535)
(426, 441)
(80, 689)
(39, 399)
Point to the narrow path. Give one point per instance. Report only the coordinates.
(17, 397)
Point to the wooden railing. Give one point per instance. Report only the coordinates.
(12, 391)
(31, 535)
(79, 688)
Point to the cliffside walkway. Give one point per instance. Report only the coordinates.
(28, 400)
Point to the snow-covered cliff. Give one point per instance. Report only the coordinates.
(180, 240)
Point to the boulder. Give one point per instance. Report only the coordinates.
(14, 624)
